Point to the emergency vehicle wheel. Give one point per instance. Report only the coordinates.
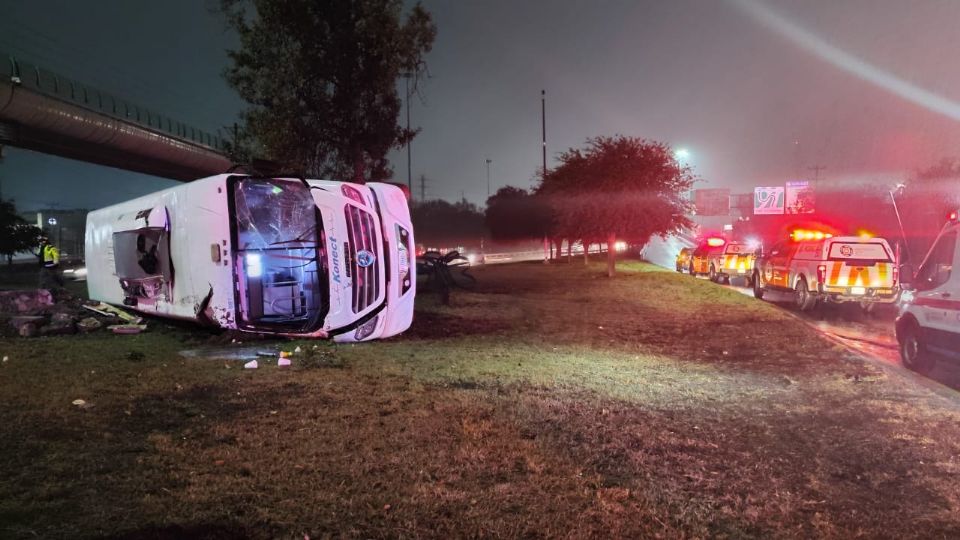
(913, 351)
(757, 287)
(692, 273)
(802, 297)
(713, 274)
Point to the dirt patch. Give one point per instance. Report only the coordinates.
(432, 325)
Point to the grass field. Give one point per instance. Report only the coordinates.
(549, 402)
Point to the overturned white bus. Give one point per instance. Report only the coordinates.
(308, 258)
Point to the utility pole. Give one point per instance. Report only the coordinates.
(409, 166)
(543, 121)
(488, 176)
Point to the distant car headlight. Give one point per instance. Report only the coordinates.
(366, 329)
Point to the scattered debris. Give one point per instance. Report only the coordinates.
(82, 404)
(111, 310)
(127, 328)
(283, 361)
(89, 324)
(25, 301)
(251, 365)
(97, 311)
(6, 359)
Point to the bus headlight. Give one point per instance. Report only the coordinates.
(366, 329)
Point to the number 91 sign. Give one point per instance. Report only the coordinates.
(768, 200)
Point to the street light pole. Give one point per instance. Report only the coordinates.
(488, 177)
(896, 210)
(409, 167)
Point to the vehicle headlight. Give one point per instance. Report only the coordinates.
(404, 259)
(366, 329)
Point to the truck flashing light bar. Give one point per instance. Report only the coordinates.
(715, 242)
(800, 235)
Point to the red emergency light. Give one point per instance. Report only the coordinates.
(800, 235)
(715, 242)
(953, 216)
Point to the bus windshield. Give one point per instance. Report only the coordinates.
(279, 255)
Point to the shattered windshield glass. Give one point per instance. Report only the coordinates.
(279, 250)
(272, 213)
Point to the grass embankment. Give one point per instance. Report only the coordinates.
(551, 401)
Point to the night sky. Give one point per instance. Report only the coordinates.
(758, 92)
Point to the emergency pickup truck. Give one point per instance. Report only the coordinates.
(736, 261)
(818, 267)
(703, 258)
(290, 256)
(928, 325)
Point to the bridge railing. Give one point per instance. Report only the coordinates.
(43, 81)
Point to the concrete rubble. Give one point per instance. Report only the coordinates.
(37, 312)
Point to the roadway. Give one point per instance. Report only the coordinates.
(870, 336)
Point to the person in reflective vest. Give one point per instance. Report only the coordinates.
(50, 260)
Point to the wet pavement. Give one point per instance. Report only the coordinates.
(870, 335)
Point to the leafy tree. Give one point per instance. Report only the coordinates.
(619, 187)
(442, 223)
(515, 214)
(16, 235)
(320, 78)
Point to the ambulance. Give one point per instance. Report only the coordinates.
(282, 255)
(928, 324)
(736, 261)
(818, 267)
(705, 255)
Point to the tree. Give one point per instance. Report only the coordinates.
(320, 78)
(16, 235)
(443, 224)
(515, 214)
(619, 187)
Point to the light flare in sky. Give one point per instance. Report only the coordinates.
(814, 44)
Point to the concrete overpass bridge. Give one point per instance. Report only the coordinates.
(45, 112)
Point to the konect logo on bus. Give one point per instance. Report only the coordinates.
(335, 257)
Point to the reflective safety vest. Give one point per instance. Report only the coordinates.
(51, 256)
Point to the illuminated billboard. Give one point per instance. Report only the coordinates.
(768, 200)
(799, 197)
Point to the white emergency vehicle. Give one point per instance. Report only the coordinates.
(736, 261)
(928, 326)
(818, 267)
(308, 258)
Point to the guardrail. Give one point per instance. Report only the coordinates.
(32, 77)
